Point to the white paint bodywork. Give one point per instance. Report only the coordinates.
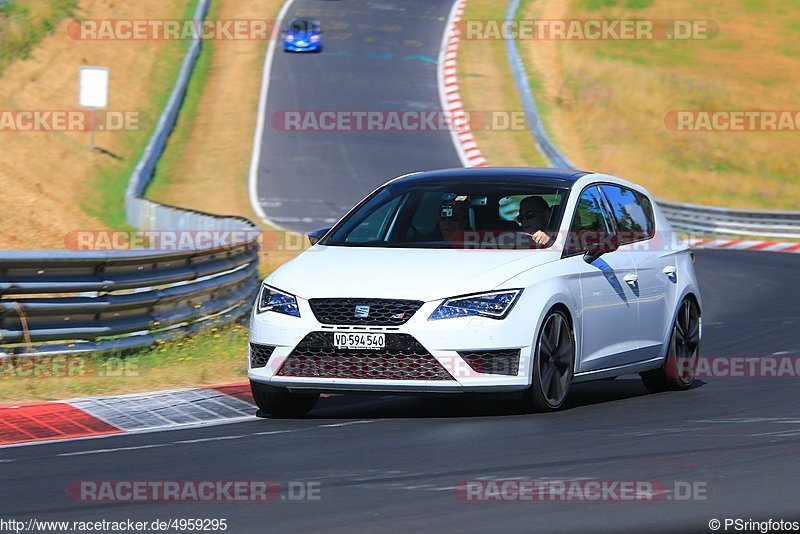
(619, 328)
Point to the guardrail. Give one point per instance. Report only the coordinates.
(66, 301)
(689, 218)
(114, 301)
(694, 219)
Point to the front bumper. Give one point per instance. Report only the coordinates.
(443, 340)
(307, 47)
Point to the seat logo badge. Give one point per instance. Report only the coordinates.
(361, 312)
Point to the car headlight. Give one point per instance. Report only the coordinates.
(275, 300)
(494, 305)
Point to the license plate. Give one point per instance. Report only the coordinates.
(342, 340)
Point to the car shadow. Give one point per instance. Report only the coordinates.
(363, 406)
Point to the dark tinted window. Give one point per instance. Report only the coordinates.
(591, 221)
(633, 213)
(449, 214)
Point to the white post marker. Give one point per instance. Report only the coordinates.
(93, 94)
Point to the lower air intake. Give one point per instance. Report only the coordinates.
(260, 355)
(404, 358)
(493, 362)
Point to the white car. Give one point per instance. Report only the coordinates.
(498, 280)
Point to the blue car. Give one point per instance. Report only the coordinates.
(302, 36)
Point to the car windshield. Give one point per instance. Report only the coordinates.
(452, 214)
(300, 26)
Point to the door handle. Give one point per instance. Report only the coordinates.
(631, 279)
(670, 270)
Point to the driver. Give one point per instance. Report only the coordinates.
(453, 217)
(534, 216)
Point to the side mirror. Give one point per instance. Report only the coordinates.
(595, 244)
(315, 235)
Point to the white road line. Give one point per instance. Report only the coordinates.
(271, 432)
(781, 434)
(119, 449)
(206, 440)
(335, 425)
(258, 137)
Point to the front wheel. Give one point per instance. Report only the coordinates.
(679, 367)
(281, 402)
(553, 364)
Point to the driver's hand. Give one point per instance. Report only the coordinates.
(540, 238)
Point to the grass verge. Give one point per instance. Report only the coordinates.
(213, 357)
(605, 103)
(23, 26)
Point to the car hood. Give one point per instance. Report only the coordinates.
(301, 35)
(418, 274)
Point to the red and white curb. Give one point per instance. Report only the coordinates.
(451, 102)
(144, 412)
(737, 244)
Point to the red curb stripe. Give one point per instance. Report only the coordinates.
(729, 244)
(763, 244)
(47, 421)
(792, 248)
(469, 147)
(240, 391)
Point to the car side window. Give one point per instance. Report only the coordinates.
(632, 211)
(591, 217)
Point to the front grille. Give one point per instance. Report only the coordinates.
(382, 312)
(403, 358)
(260, 354)
(493, 362)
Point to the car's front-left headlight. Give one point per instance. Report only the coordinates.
(275, 300)
(494, 305)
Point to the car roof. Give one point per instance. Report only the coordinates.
(564, 178)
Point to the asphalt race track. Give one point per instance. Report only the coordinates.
(378, 55)
(390, 463)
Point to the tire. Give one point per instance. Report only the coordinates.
(282, 403)
(680, 365)
(553, 365)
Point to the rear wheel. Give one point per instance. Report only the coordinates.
(679, 368)
(281, 402)
(553, 364)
